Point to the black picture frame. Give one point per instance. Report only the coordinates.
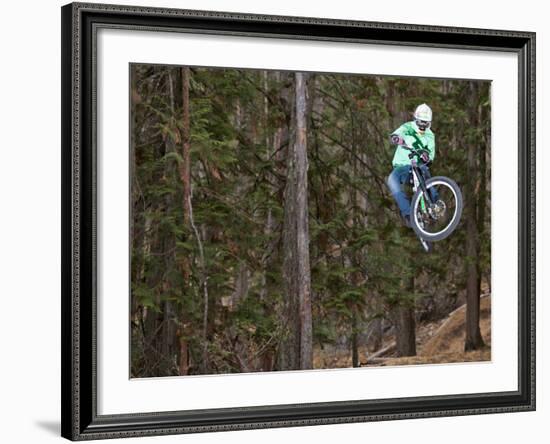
(80, 420)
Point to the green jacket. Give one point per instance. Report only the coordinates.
(414, 138)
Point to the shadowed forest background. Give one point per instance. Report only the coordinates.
(263, 235)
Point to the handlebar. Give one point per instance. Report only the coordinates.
(413, 151)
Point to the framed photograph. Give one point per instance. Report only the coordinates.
(273, 221)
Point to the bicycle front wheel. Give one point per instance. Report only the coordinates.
(436, 222)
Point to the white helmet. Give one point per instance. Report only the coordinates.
(423, 116)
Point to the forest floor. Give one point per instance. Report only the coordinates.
(436, 342)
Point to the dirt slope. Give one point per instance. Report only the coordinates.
(437, 342)
(446, 342)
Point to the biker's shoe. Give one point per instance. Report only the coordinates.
(407, 220)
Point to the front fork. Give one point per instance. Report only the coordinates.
(418, 183)
(422, 184)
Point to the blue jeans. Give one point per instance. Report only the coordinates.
(400, 176)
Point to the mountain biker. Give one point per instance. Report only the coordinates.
(418, 135)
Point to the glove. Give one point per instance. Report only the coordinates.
(425, 156)
(397, 140)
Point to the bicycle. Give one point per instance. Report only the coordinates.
(436, 205)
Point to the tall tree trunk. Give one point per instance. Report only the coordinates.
(185, 171)
(297, 348)
(405, 331)
(359, 224)
(302, 247)
(271, 148)
(375, 336)
(203, 277)
(354, 339)
(474, 341)
(185, 176)
(405, 335)
(168, 340)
